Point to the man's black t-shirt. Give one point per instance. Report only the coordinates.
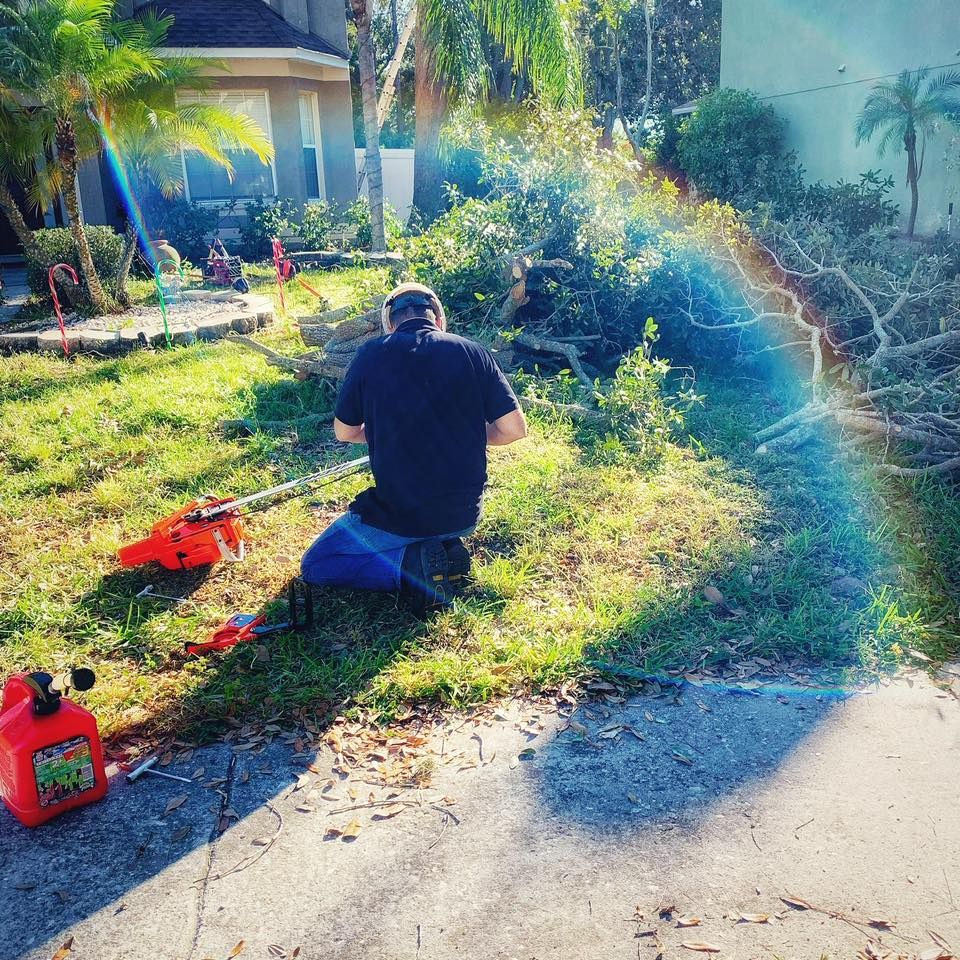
(425, 398)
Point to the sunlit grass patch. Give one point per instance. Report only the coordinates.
(576, 563)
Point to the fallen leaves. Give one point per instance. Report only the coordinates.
(181, 834)
(797, 903)
(65, 949)
(352, 830)
(175, 803)
(389, 812)
(701, 946)
(754, 918)
(688, 921)
(238, 949)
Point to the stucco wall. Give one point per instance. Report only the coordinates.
(397, 178)
(790, 53)
(336, 133)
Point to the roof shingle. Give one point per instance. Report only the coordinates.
(235, 23)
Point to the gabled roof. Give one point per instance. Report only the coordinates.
(236, 24)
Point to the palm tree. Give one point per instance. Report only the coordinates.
(908, 108)
(65, 60)
(451, 61)
(149, 130)
(373, 164)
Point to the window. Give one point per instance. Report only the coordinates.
(309, 129)
(207, 180)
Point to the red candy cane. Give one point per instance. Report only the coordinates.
(56, 300)
(278, 266)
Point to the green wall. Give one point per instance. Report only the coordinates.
(790, 53)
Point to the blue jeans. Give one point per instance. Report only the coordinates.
(351, 553)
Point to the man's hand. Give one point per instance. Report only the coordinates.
(507, 429)
(348, 433)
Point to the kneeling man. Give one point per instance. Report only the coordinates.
(427, 404)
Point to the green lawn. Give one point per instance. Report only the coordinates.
(580, 567)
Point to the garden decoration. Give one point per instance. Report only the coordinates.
(211, 528)
(51, 280)
(281, 268)
(161, 296)
(225, 269)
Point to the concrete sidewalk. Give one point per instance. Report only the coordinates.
(534, 839)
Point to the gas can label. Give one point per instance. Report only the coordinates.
(63, 770)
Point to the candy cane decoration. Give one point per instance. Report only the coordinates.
(51, 280)
(162, 297)
(278, 264)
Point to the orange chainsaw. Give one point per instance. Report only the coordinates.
(211, 529)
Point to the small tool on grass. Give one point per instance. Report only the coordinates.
(147, 767)
(148, 591)
(243, 627)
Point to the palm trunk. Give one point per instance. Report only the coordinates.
(67, 157)
(368, 96)
(8, 203)
(913, 175)
(431, 104)
(126, 262)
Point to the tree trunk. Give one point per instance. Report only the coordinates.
(431, 104)
(8, 203)
(913, 175)
(373, 166)
(389, 90)
(126, 262)
(67, 157)
(605, 141)
(648, 23)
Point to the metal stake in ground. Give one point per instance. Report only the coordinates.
(51, 280)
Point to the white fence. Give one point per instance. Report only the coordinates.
(397, 179)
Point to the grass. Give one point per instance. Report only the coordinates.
(577, 563)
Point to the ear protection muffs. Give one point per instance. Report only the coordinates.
(418, 295)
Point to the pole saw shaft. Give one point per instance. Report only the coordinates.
(330, 473)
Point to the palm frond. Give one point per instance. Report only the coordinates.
(539, 35)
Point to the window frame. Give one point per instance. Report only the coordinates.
(314, 99)
(243, 91)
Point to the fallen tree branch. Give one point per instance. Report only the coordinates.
(566, 350)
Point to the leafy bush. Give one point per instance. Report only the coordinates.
(357, 215)
(665, 139)
(263, 222)
(854, 208)
(188, 226)
(643, 415)
(732, 147)
(315, 225)
(56, 246)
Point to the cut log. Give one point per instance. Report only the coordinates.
(541, 345)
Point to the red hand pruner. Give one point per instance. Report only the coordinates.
(51, 280)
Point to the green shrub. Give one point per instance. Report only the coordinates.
(357, 215)
(56, 246)
(188, 226)
(732, 147)
(315, 225)
(263, 222)
(854, 208)
(665, 139)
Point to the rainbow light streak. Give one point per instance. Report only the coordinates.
(121, 180)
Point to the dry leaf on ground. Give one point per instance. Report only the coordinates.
(174, 803)
(237, 950)
(688, 921)
(352, 830)
(754, 918)
(701, 946)
(64, 950)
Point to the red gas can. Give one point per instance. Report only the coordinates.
(51, 759)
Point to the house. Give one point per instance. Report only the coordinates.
(289, 70)
(816, 61)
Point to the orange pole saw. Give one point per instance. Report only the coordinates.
(211, 528)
